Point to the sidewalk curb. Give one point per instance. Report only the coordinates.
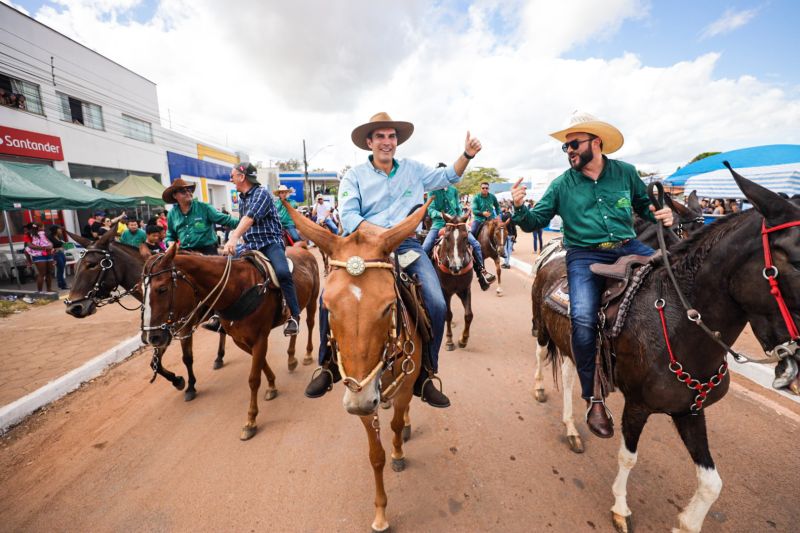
(759, 374)
(16, 411)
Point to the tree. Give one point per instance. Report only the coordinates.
(471, 183)
(703, 155)
(289, 164)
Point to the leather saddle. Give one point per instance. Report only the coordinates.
(252, 297)
(410, 290)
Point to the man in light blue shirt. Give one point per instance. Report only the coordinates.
(379, 194)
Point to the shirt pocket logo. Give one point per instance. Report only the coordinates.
(407, 193)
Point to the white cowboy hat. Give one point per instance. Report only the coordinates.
(283, 188)
(586, 123)
(378, 121)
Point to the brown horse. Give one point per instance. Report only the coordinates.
(492, 237)
(179, 288)
(377, 348)
(106, 266)
(667, 363)
(453, 259)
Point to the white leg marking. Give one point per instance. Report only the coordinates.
(568, 374)
(538, 380)
(709, 485)
(356, 292)
(456, 257)
(626, 461)
(146, 302)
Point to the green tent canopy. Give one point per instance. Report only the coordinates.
(27, 186)
(144, 189)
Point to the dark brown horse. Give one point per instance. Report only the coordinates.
(108, 265)
(377, 349)
(722, 270)
(180, 288)
(453, 259)
(492, 237)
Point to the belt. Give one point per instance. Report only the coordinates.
(611, 245)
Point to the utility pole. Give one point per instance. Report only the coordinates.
(305, 172)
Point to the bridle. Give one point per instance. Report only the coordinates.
(398, 345)
(440, 261)
(106, 265)
(680, 229)
(195, 317)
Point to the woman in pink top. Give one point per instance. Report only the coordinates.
(40, 250)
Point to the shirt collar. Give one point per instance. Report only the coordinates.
(249, 192)
(395, 166)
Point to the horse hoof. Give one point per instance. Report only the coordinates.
(398, 465)
(575, 443)
(307, 360)
(462, 344)
(387, 529)
(450, 346)
(189, 395)
(218, 364)
(499, 291)
(270, 394)
(539, 395)
(247, 432)
(179, 383)
(406, 433)
(622, 524)
(292, 364)
(386, 405)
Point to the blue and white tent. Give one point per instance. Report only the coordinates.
(776, 167)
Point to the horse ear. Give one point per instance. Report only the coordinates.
(693, 203)
(144, 251)
(504, 224)
(773, 206)
(447, 218)
(169, 255)
(676, 206)
(106, 238)
(83, 241)
(397, 234)
(323, 238)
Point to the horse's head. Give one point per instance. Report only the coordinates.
(454, 251)
(95, 277)
(168, 297)
(498, 231)
(362, 303)
(689, 217)
(767, 285)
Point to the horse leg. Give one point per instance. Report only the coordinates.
(538, 378)
(377, 457)
(218, 362)
(449, 322)
(188, 361)
(257, 364)
(399, 428)
(292, 362)
(568, 373)
(633, 421)
(499, 273)
(466, 301)
(692, 430)
(271, 393)
(177, 381)
(407, 423)
(311, 311)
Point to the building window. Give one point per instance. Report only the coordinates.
(137, 129)
(20, 94)
(80, 112)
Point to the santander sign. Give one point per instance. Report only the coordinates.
(30, 144)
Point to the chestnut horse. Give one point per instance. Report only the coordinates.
(106, 266)
(668, 363)
(453, 259)
(492, 237)
(180, 288)
(377, 348)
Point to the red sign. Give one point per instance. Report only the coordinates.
(30, 144)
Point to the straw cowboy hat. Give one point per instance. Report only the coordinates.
(283, 188)
(586, 123)
(378, 121)
(169, 193)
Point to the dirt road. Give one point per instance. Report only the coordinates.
(122, 455)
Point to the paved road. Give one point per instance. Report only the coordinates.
(123, 455)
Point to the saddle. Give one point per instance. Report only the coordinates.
(252, 297)
(410, 291)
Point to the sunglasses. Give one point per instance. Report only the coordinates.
(484, 188)
(573, 144)
(185, 190)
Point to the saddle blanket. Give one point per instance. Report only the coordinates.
(558, 298)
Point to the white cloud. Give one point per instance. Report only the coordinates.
(729, 21)
(266, 75)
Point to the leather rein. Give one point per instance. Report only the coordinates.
(106, 264)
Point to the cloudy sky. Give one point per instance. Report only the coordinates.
(677, 77)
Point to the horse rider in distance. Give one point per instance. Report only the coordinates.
(379, 194)
(595, 198)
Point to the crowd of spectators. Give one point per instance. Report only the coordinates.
(10, 99)
(719, 206)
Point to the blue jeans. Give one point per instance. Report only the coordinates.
(276, 254)
(61, 262)
(509, 248)
(331, 226)
(293, 233)
(537, 236)
(431, 294)
(585, 289)
(430, 240)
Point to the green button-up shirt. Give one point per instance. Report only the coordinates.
(592, 211)
(444, 201)
(482, 203)
(133, 239)
(195, 229)
(283, 213)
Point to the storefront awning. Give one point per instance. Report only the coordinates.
(143, 189)
(26, 186)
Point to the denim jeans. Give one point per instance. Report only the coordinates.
(585, 289)
(537, 237)
(431, 294)
(61, 262)
(277, 256)
(293, 233)
(509, 248)
(430, 240)
(331, 226)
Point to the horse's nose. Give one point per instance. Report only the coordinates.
(157, 337)
(80, 309)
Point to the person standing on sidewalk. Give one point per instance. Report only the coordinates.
(595, 198)
(58, 239)
(260, 228)
(39, 249)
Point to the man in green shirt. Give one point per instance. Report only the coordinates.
(484, 207)
(447, 201)
(133, 235)
(282, 193)
(191, 222)
(596, 199)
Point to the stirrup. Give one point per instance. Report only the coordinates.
(430, 378)
(318, 372)
(592, 401)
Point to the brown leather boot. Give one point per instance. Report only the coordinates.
(598, 418)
